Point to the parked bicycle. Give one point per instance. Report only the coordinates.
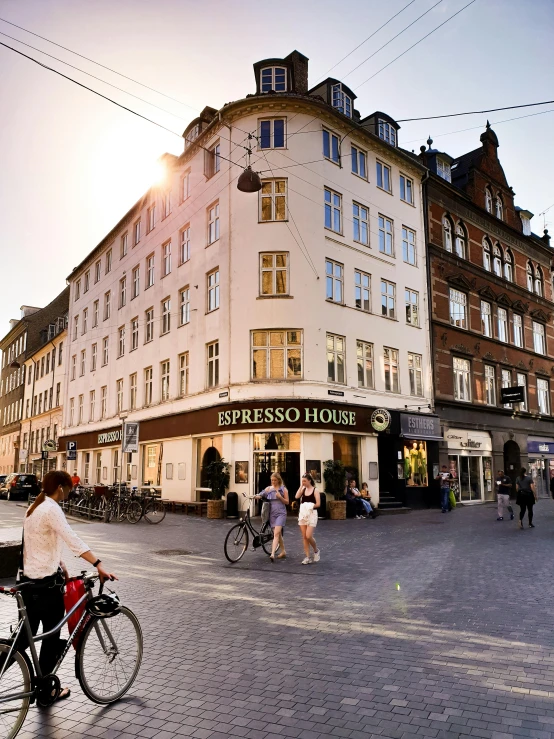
(108, 656)
(236, 541)
(145, 504)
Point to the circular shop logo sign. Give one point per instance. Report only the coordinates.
(380, 419)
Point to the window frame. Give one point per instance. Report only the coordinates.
(383, 172)
(360, 223)
(346, 103)
(545, 392)
(212, 364)
(165, 309)
(262, 136)
(488, 325)
(409, 303)
(391, 359)
(274, 270)
(165, 381)
(360, 290)
(387, 132)
(518, 330)
(406, 184)
(336, 353)
(150, 270)
(415, 374)
(212, 290)
(331, 144)
(149, 325)
(166, 258)
(363, 348)
(358, 156)
(539, 337)
(461, 379)
(184, 362)
(184, 305)
(289, 352)
(386, 297)
(275, 199)
(134, 333)
(409, 246)
(276, 70)
(453, 293)
(120, 341)
(212, 212)
(489, 381)
(332, 210)
(500, 322)
(334, 280)
(123, 245)
(135, 276)
(184, 244)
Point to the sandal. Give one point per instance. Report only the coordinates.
(64, 694)
(283, 555)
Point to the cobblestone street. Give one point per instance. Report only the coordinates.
(424, 624)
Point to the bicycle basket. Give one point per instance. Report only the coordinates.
(266, 507)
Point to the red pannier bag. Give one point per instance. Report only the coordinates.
(74, 591)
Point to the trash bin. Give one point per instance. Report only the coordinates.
(322, 512)
(232, 505)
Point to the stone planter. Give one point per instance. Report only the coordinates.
(216, 508)
(337, 510)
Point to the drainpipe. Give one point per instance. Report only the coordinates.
(31, 415)
(429, 293)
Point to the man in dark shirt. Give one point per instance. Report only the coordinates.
(503, 490)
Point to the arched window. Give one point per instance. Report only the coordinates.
(447, 233)
(499, 208)
(488, 200)
(508, 265)
(539, 288)
(487, 259)
(460, 241)
(497, 260)
(530, 277)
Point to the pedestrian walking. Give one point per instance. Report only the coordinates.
(307, 517)
(444, 478)
(526, 497)
(278, 496)
(552, 486)
(503, 490)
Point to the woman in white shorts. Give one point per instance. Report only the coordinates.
(307, 518)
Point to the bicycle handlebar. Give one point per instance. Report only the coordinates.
(90, 577)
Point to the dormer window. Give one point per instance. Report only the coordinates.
(193, 134)
(488, 200)
(526, 225)
(341, 101)
(499, 208)
(443, 170)
(387, 132)
(274, 79)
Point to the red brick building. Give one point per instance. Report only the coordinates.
(491, 321)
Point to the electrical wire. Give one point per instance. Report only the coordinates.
(474, 112)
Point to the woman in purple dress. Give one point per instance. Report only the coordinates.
(279, 497)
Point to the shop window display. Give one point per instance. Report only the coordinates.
(415, 464)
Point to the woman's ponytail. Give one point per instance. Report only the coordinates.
(50, 483)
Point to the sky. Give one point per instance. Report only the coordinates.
(72, 164)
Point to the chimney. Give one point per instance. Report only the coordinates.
(299, 64)
(546, 237)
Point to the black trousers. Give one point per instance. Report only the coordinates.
(526, 506)
(44, 605)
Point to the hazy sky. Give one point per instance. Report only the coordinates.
(72, 164)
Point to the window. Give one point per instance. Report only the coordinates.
(462, 386)
(272, 133)
(506, 380)
(134, 333)
(184, 306)
(341, 101)
(360, 220)
(185, 186)
(458, 308)
(543, 396)
(539, 282)
(60, 353)
(517, 322)
(460, 247)
(103, 402)
(387, 132)
(71, 412)
(122, 291)
(75, 329)
(119, 395)
(530, 277)
(336, 358)
(447, 234)
(415, 372)
(412, 307)
(408, 245)
(95, 312)
(107, 305)
(334, 281)
(386, 245)
(390, 357)
(105, 345)
(362, 290)
(213, 290)
(167, 198)
(73, 367)
(273, 200)
(91, 402)
(136, 232)
(93, 357)
(487, 263)
(136, 282)
(184, 245)
(406, 189)
(490, 385)
(508, 266)
(133, 391)
(503, 324)
(84, 326)
(444, 170)
(488, 200)
(97, 269)
(151, 218)
(273, 79)
(333, 210)
(331, 146)
(121, 341)
(539, 344)
(124, 245)
(274, 279)
(77, 289)
(83, 362)
(148, 325)
(58, 393)
(183, 374)
(213, 223)
(383, 177)
(388, 299)
(166, 259)
(212, 160)
(87, 281)
(148, 386)
(359, 162)
(166, 316)
(164, 394)
(108, 264)
(364, 359)
(212, 351)
(499, 207)
(486, 318)
(497, 260)
(521, 380)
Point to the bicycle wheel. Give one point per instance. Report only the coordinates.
(265, 532)
(108, 657)
(15, 681)
(155, 511)
(236, 543)
(134, 511)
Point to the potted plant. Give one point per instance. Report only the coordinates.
(217, 477)
(334, 474)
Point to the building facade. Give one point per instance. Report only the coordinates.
(492, 305)
(265, 328)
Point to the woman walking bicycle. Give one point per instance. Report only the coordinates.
(278, 496)
(307, 517)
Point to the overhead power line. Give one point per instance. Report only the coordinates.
(473, 112)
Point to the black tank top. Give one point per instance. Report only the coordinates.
(308, 498)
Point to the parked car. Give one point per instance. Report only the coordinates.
(19, 486)
(2, 479)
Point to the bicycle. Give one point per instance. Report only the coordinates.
(149, 506)
(104, 672)
(236, 541)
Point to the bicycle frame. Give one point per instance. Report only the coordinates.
(246, 521)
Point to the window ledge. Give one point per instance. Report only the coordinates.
(359, 176)
(337, 233)
(389, 318)
(389, 192)
(285, 220)
(278, 297)
(407, 202)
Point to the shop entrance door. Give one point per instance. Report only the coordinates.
(287, 464)
(470, 478)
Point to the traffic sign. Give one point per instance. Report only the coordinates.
(71, 447)
(130, 437)
(44, 454)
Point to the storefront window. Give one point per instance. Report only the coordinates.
(152, 464)
(209, 449)
(345, 450)
(473, 478)
(415, 464)
(276, 441)
(488, 485)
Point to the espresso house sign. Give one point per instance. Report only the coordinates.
(292, 414)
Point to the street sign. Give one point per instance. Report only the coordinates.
(50, 446)
(71, 448)
(130, 437)
(512, 394)
(44, 454)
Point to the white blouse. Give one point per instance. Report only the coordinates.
(45, 531)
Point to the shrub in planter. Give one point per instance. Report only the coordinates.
(217, 477)
(334, 474)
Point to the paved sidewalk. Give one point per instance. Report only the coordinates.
(419, 625)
